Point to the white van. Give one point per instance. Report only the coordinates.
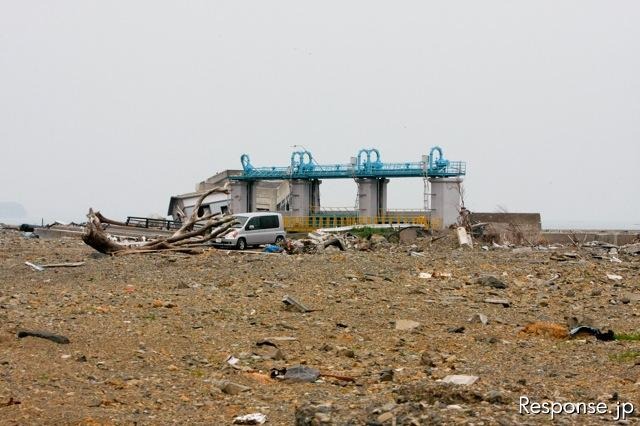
(254, 229)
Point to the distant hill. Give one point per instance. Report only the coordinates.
(12, 210)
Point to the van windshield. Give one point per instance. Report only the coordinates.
(241, 221)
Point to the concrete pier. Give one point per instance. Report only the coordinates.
(241, 196)
(445, 199)
(372, 196)
(304, 196)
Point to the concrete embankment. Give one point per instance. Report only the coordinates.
(617, 237)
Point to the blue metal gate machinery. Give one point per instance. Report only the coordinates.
(367, 164)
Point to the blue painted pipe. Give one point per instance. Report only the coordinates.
(369, 164)
(298, 160)
(440, 162)
(246, 163)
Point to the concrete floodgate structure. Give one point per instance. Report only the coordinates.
(442, 195)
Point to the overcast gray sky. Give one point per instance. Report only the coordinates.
(120, 104)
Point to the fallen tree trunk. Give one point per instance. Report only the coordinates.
(103, 219)
(210, 226)
(95, 236)
(184, 250)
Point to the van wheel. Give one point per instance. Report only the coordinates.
(241, 244)
(279, 239)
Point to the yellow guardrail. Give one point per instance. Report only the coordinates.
(310, 223)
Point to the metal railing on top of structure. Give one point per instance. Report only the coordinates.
(147, 222)
(152, 223)
(333, 210)
(350, 211)
(310, 223)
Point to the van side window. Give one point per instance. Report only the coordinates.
(255, 221)
(269, 222)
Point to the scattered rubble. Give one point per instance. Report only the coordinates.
(250, 419)
(630, 249)
(195, 231)
(198, 337)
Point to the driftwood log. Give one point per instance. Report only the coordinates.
(194, 232)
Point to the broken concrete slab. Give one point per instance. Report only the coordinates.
(230, 388)
(408, 235)
(250, 419)
(297, 374)
(460, 379)
(479, 318)
(496, 301)
(290, 301)
(34, 266)
(406, 325)
(491, 281)
(464, 239)
(630, 249)
(522, 250)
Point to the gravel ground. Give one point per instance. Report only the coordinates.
(150, 335)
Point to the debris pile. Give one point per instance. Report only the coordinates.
(192, 235)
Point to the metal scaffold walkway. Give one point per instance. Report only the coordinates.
(367, 164)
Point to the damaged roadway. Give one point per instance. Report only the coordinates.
(151, 337)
